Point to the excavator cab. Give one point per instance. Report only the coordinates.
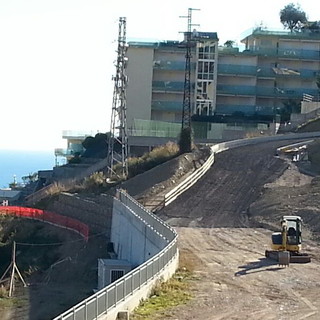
(288, 241)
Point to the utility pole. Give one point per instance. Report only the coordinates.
(186, 106)
(13, 267)
(118, 140)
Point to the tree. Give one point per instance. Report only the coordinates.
(293, 17)
(318, 85)
(229, 43)
(312, 26)
(185, 141)
(290, 106)
(318, 81)
(31, 177)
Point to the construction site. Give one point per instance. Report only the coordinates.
(234, 210)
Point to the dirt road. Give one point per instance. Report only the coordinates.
(237, 282)
(219, 221)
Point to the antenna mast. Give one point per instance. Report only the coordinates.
(186, 110)
(118, 141)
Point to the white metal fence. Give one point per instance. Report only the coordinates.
(109, 297)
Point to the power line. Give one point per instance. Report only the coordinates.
(58, 243)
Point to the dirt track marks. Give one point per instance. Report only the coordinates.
(222, 197)
(237, 282)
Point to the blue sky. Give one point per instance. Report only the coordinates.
(57, 56)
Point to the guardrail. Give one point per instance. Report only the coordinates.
(195, 176)
(105, 300)
(189, 181)
(48, 217)
(293, 146)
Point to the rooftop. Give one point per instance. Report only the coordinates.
(198, 36)
(303, 34)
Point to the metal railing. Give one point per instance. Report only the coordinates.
(194, 177)
(109, 297)
(189, 181)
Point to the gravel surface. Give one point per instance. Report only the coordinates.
(226, 220)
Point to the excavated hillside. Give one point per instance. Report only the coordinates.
(225, 223)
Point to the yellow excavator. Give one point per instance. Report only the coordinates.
(286, 245)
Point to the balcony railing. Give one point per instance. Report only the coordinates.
(237, 69)
(169, 86)
(304, 34)
(236, 90)
(284, 53)
(171, 65)
(167, 105)
(246, 109)
(289, 93)
(265, 72)
(78, 134)
(152, 128)
(286, 93)
(61, 152)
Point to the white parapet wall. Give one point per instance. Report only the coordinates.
(144, 240)
(134, 240)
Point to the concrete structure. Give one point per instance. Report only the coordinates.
(9, 197)
(156, 80)
(110, 270)
(287, 64)
(155, 258)
(307, 107)
(133, 240)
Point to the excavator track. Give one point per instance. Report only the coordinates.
(294, 257)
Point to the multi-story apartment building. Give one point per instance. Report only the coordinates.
(156, 79)
(275, 69)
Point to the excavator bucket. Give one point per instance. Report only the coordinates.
(284, 258)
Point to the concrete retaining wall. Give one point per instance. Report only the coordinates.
(133, 239)
(95, 212)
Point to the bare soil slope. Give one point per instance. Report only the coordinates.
(219, 221)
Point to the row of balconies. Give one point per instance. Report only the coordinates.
(176, 106)
(246, 70)
(265, 72)
(291, 54)
(288, 93)
(229, 109)
(226, 89)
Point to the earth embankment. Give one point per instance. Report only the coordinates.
(225, 222)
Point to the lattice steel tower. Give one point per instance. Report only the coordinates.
(118, 141)
(186, 109)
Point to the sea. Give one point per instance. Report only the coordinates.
(15, 164)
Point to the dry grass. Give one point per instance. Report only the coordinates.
(153, 158)
(166, 295)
